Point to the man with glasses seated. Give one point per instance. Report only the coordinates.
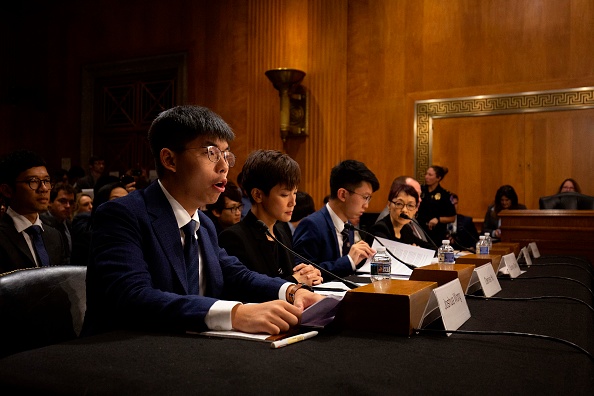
(24, 241)
(155, 260)
(59, 215)
(227, 210)
(322, 238)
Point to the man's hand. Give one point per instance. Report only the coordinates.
(360, 251)
(272, 317)
(308, 274)
(304, 298)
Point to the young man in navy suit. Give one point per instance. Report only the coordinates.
(321, 237)
(148, 270)
(25, 241)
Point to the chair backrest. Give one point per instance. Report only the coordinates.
(41, 306)
(567, 200)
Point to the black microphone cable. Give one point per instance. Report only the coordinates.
(530, 299)
(508, 333)
(549, 277)
(352, 227)
(524, 264)
(348, 283)
(462, 246)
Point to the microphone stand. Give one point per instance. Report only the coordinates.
(349, 225)
(348, 283)
(429, 239)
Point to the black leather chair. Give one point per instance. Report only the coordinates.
(567, 200)
(41, 306)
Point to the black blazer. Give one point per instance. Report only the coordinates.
(466, 235)
(15, 253)
(384, 229)
(250, 245)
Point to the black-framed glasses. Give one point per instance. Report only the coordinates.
(401, 205)
(234, 209)
(215, 154)
(34, 183)
(367, 198)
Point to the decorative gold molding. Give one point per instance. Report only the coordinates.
(524, 102)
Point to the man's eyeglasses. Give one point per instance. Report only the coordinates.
(367, 198)
(215, 154)
(401, 205)
(235, 209)
(35, 183)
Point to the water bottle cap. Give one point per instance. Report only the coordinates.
(445, 242)
(481, 237)
(487, 234)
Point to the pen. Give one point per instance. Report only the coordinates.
(292, 340)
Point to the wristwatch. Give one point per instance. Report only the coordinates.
(294, 291)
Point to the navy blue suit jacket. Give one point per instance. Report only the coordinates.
(315, 239)
(137, 277)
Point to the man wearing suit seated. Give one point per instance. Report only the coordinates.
(463, 233)
(26, 185)
(62, 200)
(319, 237)
(151, 269)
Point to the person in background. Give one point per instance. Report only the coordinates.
(153, 269)
(82, 225)
(402, 198)
(416, 227)
(462, 232)
(436, 209)
(304, 206)
(569, 185)
(322, 237)
(96, 169)
(25, 241)
(245, 199)
(227, 210)
(60, 176)
(84, 203)
(505, 198)
(59, 214)
(270, 179)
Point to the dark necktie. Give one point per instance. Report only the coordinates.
(346, 241)
(34, 232)
(191, 256)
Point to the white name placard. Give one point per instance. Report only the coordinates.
(450, 300)
(534, 250)
(489, 282)
(513, 269)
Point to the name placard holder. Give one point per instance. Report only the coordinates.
(534, 249)
(485, 276)
(448, 301)
(511, 266)
(526, 254)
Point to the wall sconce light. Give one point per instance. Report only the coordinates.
(293, 112)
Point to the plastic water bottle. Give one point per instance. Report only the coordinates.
(489, 240)
(381, 265)
(445, 254)
(482, 247)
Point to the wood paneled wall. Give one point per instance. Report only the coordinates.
(366, 63)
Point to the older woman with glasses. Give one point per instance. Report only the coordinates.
(403, 202)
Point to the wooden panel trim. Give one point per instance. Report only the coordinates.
(482, 105)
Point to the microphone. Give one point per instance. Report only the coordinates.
(352, 227)
(407, 217)
(264, 228)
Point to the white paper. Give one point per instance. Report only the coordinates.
(534, 250)
(413, 255)
(513, 269)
